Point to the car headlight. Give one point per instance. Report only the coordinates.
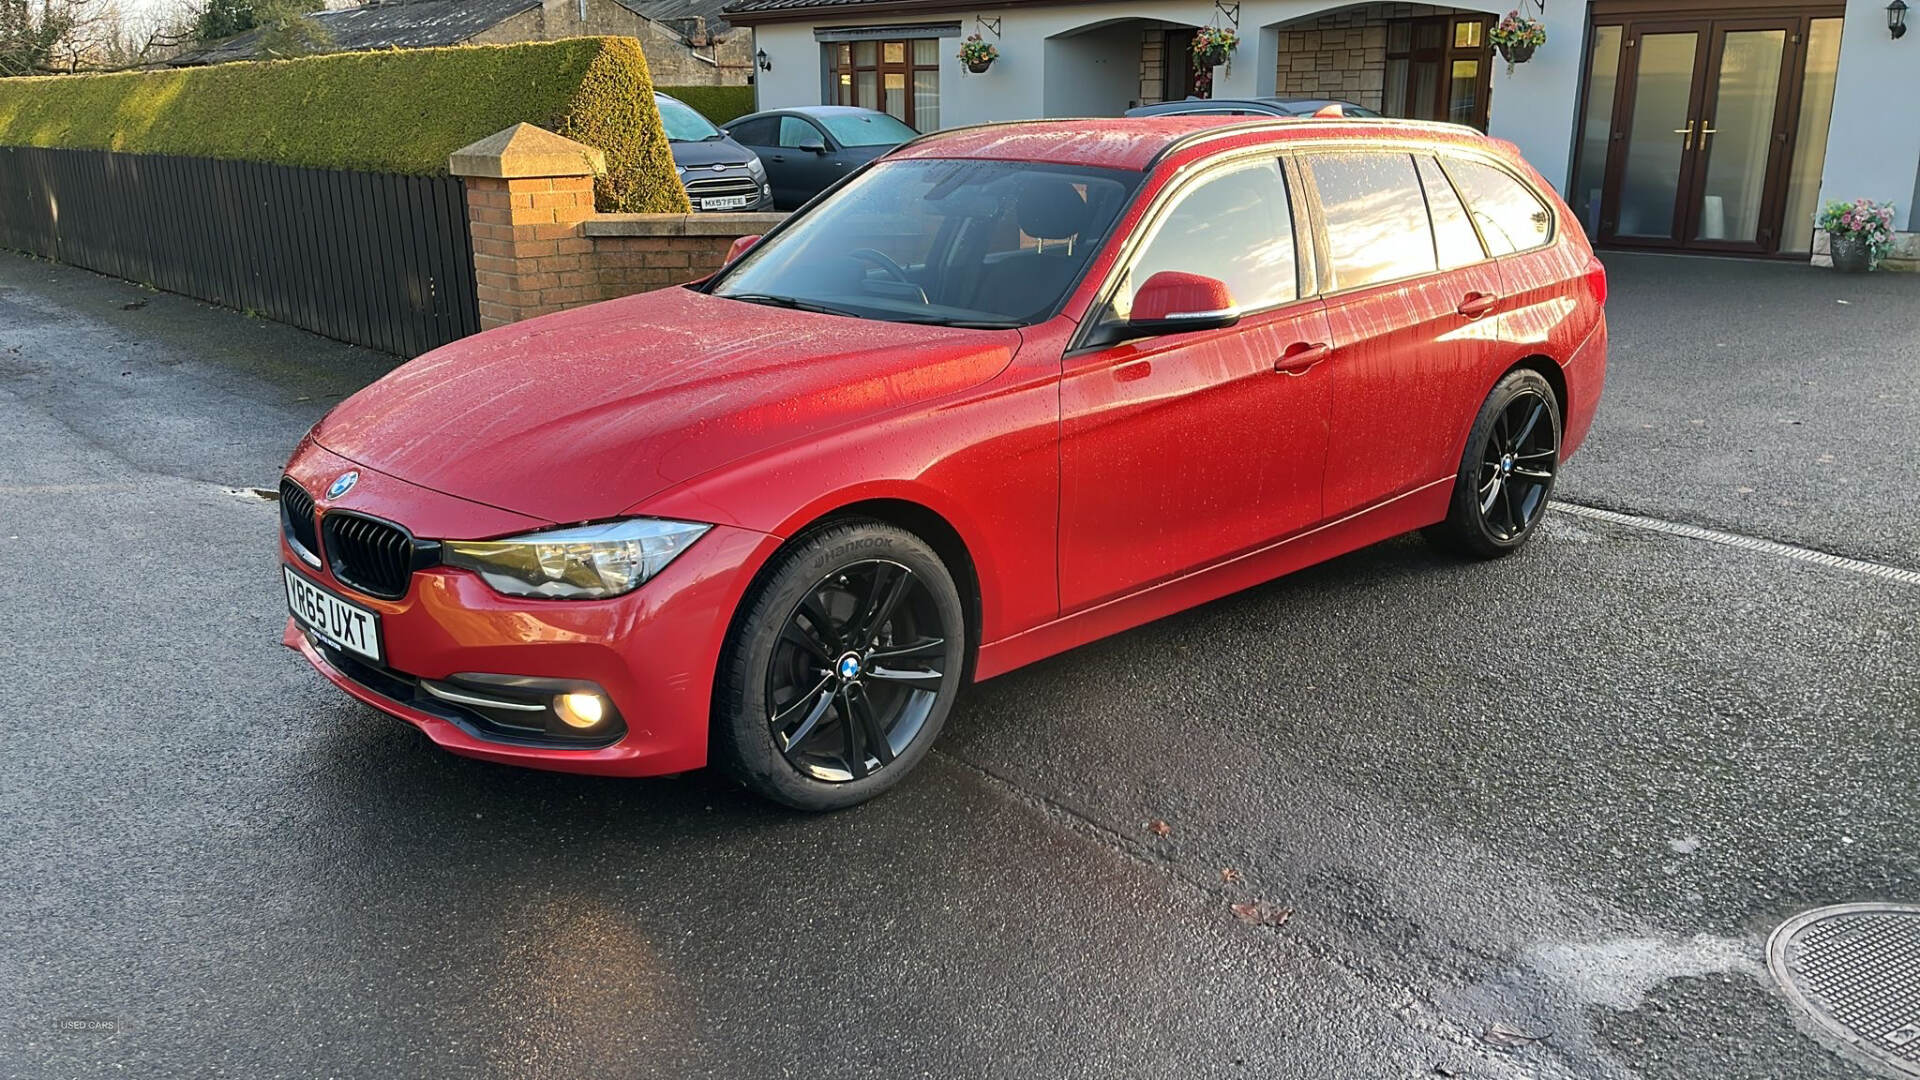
(579, 562)
(758, 169)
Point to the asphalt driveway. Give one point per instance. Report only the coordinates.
(1563, 797)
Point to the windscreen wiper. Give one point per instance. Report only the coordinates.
(964, 324)
(770, 300)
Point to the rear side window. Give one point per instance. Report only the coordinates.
(1510, 217)
(755, 132)
(1453, 237)
(1234, 225)
(1376, 217)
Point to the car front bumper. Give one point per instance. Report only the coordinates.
(652, 652)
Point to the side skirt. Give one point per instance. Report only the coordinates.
(1416, 509)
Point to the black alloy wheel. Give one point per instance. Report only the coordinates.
(841, 668)
(1507, 473)
(858, 668)
(1517, 466)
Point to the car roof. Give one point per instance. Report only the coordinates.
(1135, 143)
(808, 110)
(1205, 103)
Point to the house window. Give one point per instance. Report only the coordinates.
(1438, 68)
(900, 78)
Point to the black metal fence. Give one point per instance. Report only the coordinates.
(376, 259)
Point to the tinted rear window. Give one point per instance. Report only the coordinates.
(1510, 217)
(1376, 217)
(755, 132)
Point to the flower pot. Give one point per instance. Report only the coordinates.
(1210, 57)
(979, 67)
(1515, 54)
(1851, 254)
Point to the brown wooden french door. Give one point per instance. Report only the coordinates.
(1703, 122)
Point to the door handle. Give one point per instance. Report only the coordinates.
(1686, 144)
(1301, 356)
(1477, 304)
(779, 157)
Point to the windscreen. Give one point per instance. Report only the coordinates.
(866, 129)
(964, 243)
(682, 123)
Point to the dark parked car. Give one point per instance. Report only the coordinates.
(808, 148)
(719, 173)
(1249, 107)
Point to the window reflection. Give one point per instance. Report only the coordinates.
(1510, 217)
(1234, 226)
(1376, 218)
(1453, 237)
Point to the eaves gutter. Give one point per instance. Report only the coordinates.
(853, 14)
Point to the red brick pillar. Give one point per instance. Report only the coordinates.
(528, 191)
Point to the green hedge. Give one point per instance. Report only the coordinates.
(398, 110)
(719, 104)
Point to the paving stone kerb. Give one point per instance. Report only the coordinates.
(539, 247)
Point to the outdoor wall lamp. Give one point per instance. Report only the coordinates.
(767, 65)
(1897, 19)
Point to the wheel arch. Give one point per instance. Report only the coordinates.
(922, 521)
(1550, 371)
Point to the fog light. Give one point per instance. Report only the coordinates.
(580, 710)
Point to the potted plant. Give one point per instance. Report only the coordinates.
(977, 54)
(1212, 45)
(1516, 37)
(1859, 233)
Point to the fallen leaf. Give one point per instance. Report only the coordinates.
(1159, 828)
(1506, 1038)
(1262, 914)
(1229, 875)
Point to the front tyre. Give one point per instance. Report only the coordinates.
(1507, 472)
(841, 669)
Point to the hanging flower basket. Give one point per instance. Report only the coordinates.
(1515, 54)
(1516, 37)
(1213, 46)
(977, 55)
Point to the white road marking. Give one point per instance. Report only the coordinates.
(1746, 543)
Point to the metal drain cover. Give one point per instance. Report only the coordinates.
(1855, 969)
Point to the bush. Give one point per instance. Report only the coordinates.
(720, 104)
(397, 110)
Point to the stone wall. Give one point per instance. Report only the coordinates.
(1153, 66)
(678, 53)
(1342, 54)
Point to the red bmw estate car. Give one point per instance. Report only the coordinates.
(1003, 391)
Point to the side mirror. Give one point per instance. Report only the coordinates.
(812, 145)
(1173, 302)
(741, 245)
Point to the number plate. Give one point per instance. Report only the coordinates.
(343, 625)
(725, 202)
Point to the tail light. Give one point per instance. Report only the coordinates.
(1596, 280)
